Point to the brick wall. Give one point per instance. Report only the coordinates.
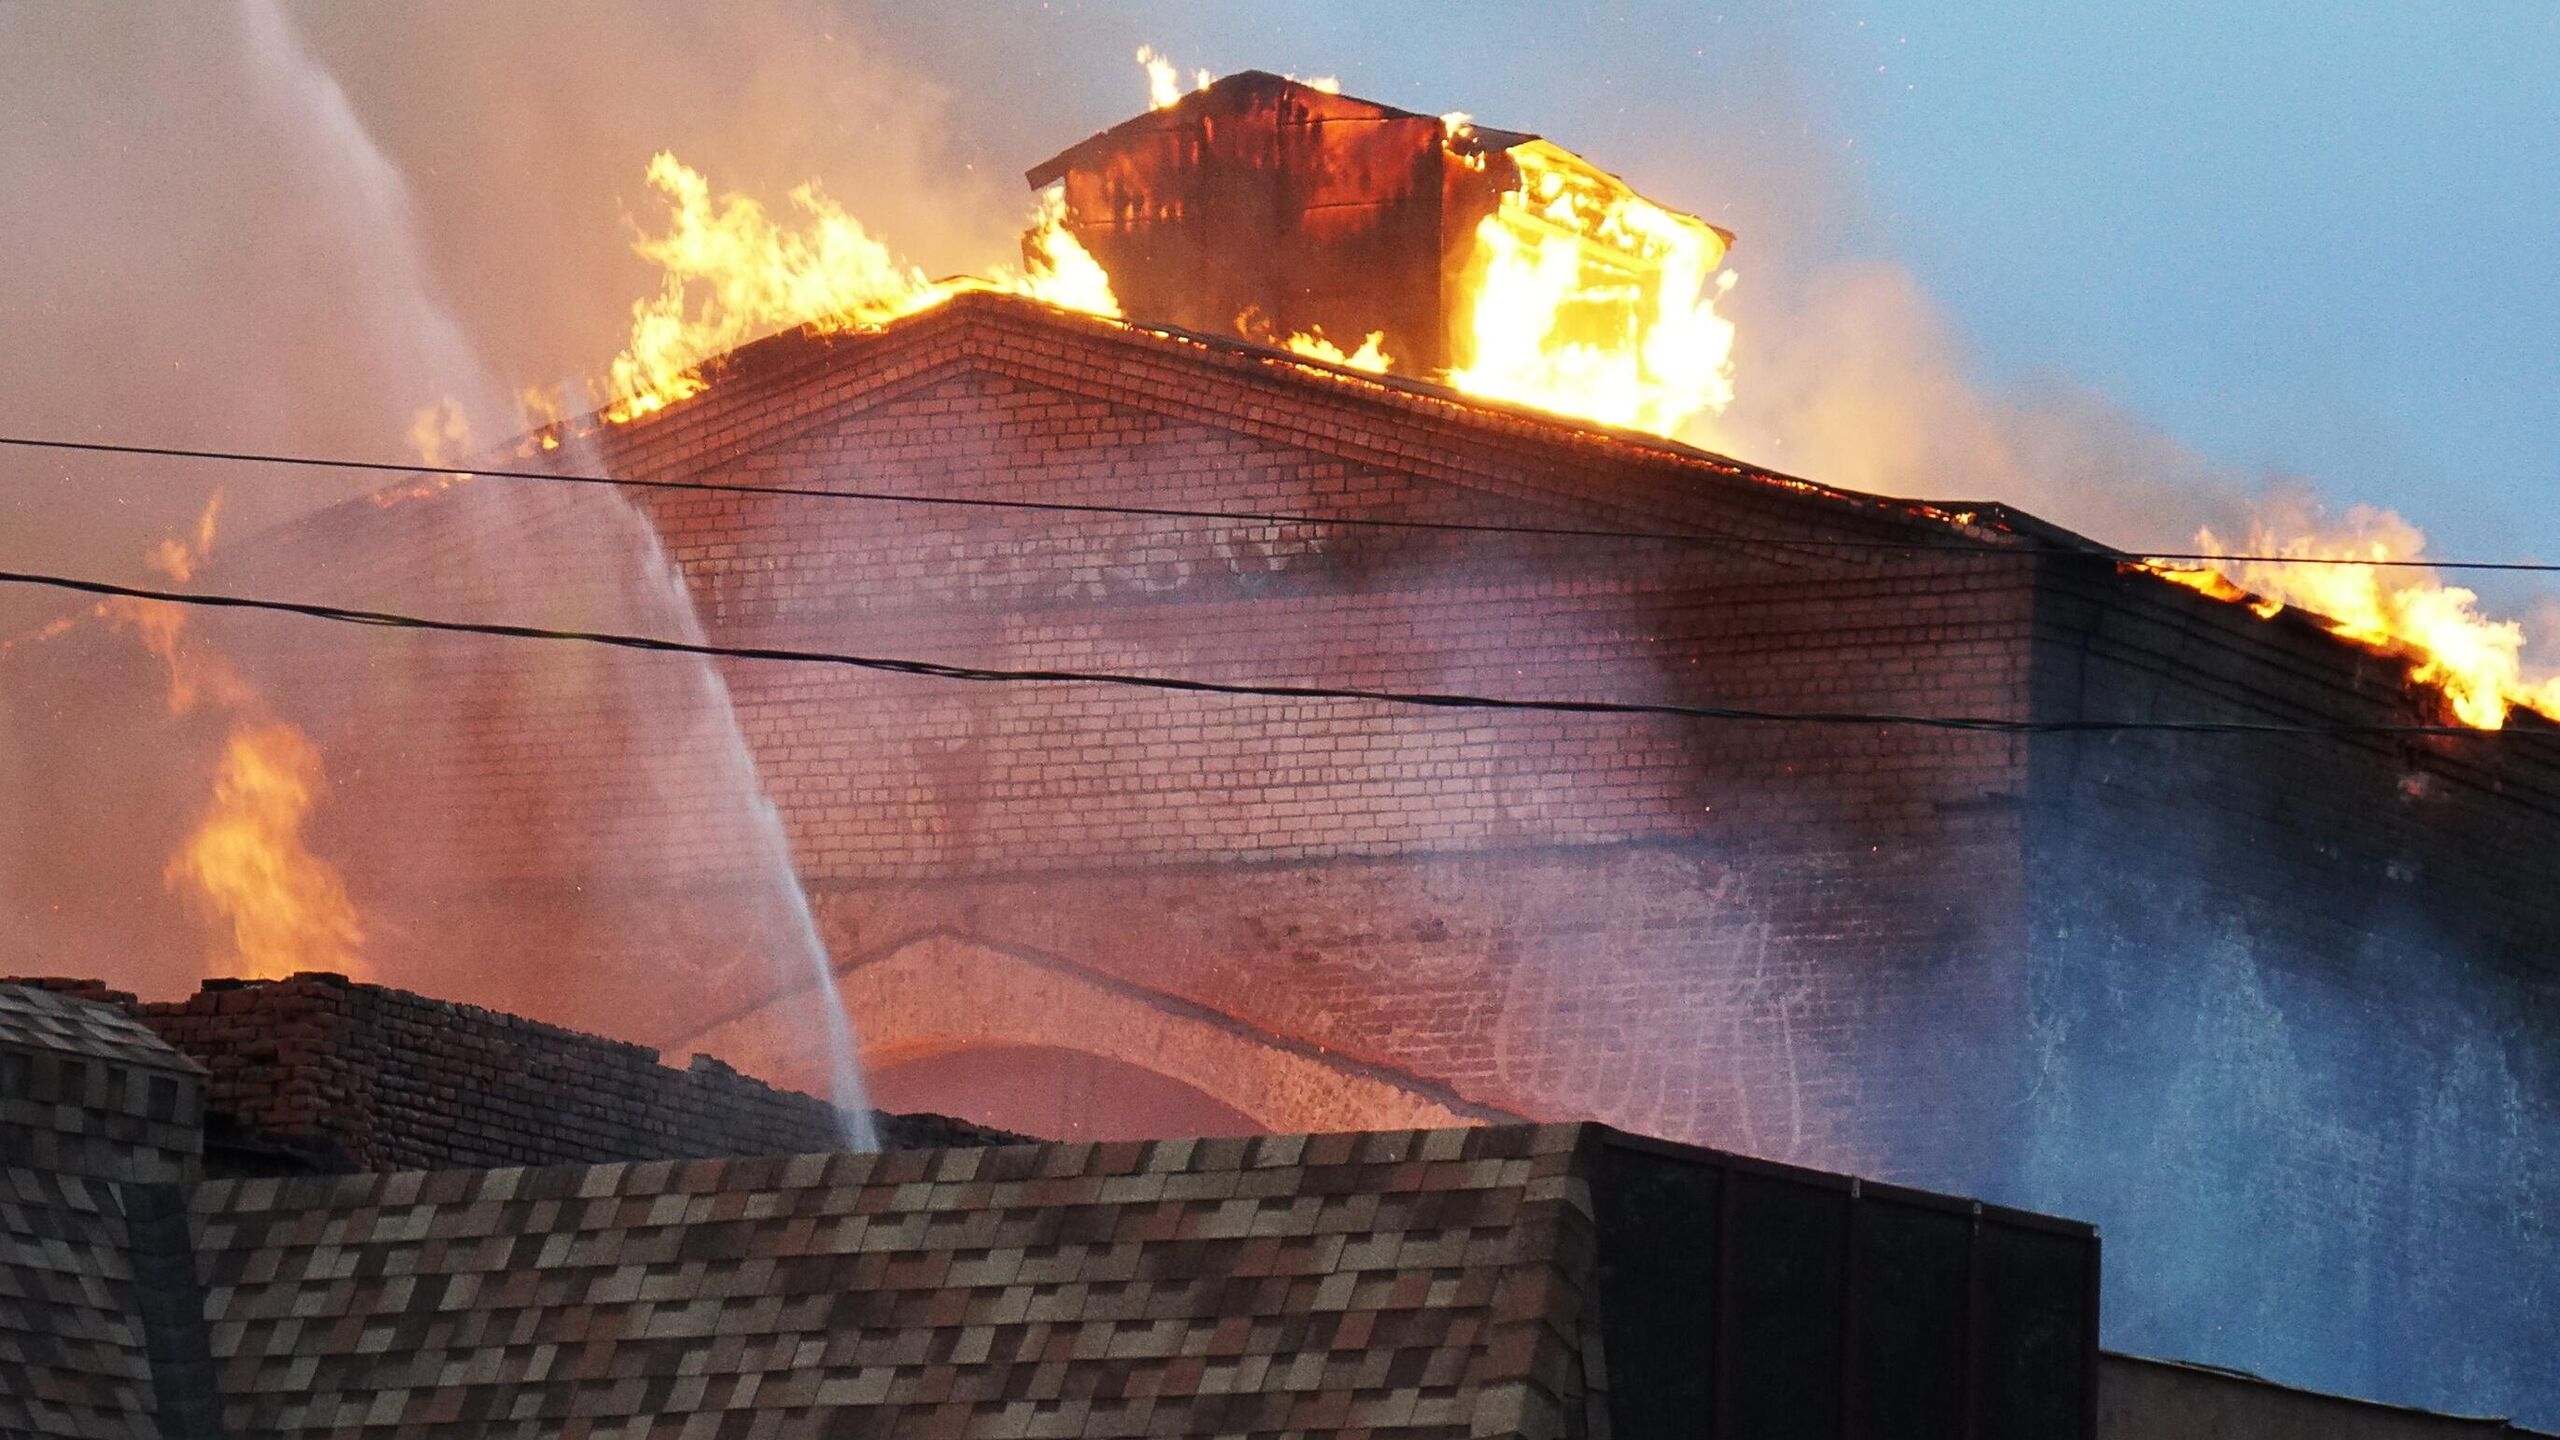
(1418, 895)
(1957, 959)
(2293, 1007)
(381, 1079)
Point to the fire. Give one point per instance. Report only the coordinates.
(1589, 300)
(1164, 80)
(734, 273)
(195, 672)
(1371, 356)
(1580, 297)
(286, 908)
(2475, 658)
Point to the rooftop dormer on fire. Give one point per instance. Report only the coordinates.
(1358, 232)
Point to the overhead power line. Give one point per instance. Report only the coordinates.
(938, 670)
(1159, 512)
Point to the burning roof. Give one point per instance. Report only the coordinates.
(1282, 211)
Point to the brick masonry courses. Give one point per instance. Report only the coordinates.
(1958, 959)
(314, 1072)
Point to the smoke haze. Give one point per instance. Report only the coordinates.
(221, 255)
(212, 252)
(293, 228)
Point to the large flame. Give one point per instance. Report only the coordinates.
(282, 907)
(1583, 298)
(286, 908)
(734, 273)
(1590, 300)
(2376, 598)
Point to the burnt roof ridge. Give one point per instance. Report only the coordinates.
(810, 346)
(770, 353)
(1236, 84)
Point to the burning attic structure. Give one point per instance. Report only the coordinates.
(1354, 231)
(1982, 858)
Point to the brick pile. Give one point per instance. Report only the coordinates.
(315, 1071)
(392, 1080)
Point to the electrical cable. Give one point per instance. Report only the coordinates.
(933, 669)
(1155, 512)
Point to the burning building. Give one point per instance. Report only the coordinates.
(1358, 232)
(1957, 848)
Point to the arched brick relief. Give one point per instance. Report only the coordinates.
(940, 992)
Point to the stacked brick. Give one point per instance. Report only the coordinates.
(380, 1079)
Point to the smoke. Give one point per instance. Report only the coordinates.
(1859, 379)
(233, 225)
(304, 302)
(295, 229)
(367, 219)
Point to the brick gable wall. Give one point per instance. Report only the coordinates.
(1516, 847)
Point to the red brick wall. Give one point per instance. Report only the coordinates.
(1725, 932)
(388, 1080)
(1964, 959)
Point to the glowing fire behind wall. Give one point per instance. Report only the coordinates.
(276, 906)
(285, 908)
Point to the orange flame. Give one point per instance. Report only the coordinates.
(733, 273)
(1164, 80)
(2476, 659)
(1590, 300)
(285, 907)
(161, 627)
(1371, 356)
(1585, 299)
